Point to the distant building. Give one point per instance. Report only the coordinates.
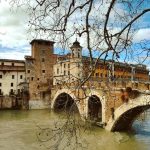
(12, 73)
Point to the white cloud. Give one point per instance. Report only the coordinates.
(14, 55)
(142, 34)
(13, 31)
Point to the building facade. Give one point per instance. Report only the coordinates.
(75, 67)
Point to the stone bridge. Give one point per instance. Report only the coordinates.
(114, 109)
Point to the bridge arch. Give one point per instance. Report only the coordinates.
(125, 115)
(65, 99)
(96, 97)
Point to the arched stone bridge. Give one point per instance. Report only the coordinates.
(115, 109)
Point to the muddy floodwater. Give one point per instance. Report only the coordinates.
(19, 130)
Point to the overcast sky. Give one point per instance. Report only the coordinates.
(14, 39)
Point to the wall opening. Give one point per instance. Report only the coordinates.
(94, 108)
(64, 102)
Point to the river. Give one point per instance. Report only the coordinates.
(19, 130)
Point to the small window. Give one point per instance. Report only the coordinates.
(68, 72)
(64, 65)
(12, 84)
(43, 95)
(1, 76)
(68, 65)
(0, 91)
(32, 78)
(0, 84)
(64, 72)
(28, 71)
(101, 75)
(11, 90)
(43, 60)
(20, 76)
(43, 71)
(12, 64)
(2, 63)
(57, 70)
(13, 77)
(38, 79)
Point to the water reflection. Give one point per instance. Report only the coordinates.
(18, 131)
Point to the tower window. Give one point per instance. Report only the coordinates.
(12, 64)
(64, 65)
(43, 71)
(64, 72)
(0, 84)
(13, 76)
(32, 78)
(12, 84)
(2, 63)
(28, 71)
(68, 65)
(0, 76)
(43, 60)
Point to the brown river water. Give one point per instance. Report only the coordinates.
(19, 130)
